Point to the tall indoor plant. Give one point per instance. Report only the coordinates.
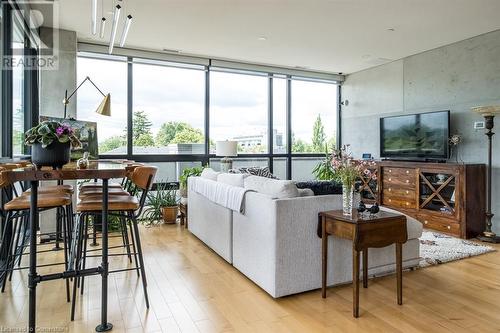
(324, 169)
(183, 179)
(51, 143)
(347, 170)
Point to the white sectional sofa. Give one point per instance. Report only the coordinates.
(274, 240)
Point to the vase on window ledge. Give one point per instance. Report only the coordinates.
(347, 199)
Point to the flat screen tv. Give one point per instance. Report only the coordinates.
(416, 136)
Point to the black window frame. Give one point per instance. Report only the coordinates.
(207, 156)
(30, 81)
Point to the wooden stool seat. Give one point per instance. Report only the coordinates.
(98, 192)
(94, 185)
(44, 201)
(115, 203)
(64, 189)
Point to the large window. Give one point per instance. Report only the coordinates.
(169, 108)
(173, 115)
(238, 111)
(314, 116)
(111, 77)
(18, 103)
(279, 116)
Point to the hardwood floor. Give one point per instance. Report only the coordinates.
(191, 289)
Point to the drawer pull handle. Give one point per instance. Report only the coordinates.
(390, 200)
(390, 189)
(425, 222)
(407, 171)
(407, 192)
(407, 181)
(390, 170)
(390, 179)
(407, 203)
(449, 227)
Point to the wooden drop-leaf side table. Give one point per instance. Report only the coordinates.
(365, 231)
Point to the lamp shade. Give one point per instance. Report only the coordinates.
(226, 148)
(487, 110)
(105, 106)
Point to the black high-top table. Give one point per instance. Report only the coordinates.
(104, 170)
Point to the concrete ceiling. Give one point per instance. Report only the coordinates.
(326, 35)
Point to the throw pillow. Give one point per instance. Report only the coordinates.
(231, 179)
(255, 171)
(321, 187)
(277, 189)
(209, 173)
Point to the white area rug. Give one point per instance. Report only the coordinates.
(436, 248)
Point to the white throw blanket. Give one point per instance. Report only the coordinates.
(225, 195)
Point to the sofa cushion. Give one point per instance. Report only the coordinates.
(305, 192)
(209, 173)
(321, 187)
(233, 179)
(277, 189)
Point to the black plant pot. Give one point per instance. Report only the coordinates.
(55, 155)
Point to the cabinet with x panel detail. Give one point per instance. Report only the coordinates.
(446, 197)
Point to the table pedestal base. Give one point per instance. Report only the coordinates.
(101, 328)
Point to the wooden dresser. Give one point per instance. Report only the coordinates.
(446, 197)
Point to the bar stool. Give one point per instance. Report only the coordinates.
(16, 227)
(127, 207)
(95, 188)
(125, 183)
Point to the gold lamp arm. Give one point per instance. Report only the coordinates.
(67, 98)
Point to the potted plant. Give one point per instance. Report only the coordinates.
(324, 169)
(161, 205)
(51, 144)
(183, 179)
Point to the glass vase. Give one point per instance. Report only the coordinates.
(347, 196)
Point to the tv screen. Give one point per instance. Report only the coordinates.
(423, 135)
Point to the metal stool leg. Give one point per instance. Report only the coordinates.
(134, 247)
(66, 217)
(77, 263)
(84, 254)
(126, 242)
(141, 260)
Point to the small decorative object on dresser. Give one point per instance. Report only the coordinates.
(454, 141)
(51, 144)
(489, 112)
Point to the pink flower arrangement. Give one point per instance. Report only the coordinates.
(347, 170)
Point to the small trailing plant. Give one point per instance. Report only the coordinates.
(163, 196)
(324, 169)
(346, 169)
(47, 132)
(189, 172)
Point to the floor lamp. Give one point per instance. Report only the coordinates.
(105, 106)
(488, 112)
